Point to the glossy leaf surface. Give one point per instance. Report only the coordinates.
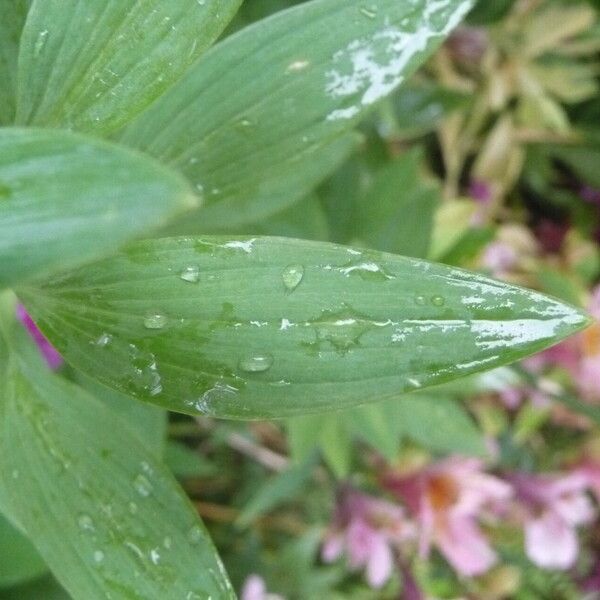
(92, 66)
(66, 199)
(108, 519)
(12, 19)
(263, 100)
(270, 327)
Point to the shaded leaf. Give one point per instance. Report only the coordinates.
(19, 561)
(262, 99)
(185, 462)
(92, 66)
(66, 199)
(270, 327)
(108, 519)
(13, 14)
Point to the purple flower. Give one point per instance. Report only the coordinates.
(480, 191)
(447, 499)
(553, 507)
(590, 194)
(50, 354)
(366, 528)
(500, 258)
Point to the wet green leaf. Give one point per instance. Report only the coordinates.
(109, 520)
(262, 101)
(19, 561)
(12, 19)
(270, 327)
(92, 66)
(66, 199)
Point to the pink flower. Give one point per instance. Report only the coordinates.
(554, 506)
(50, 354)
(366, 528)
(500, 258)
(447, 499)
(255, 589)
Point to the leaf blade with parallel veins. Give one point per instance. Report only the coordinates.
(271, 327)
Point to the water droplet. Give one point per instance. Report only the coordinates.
(155, 320)
(167, 543)
(292, 276)
(155, 556)
(142, 486)
(40, 43)
(195, 535)
(104, 340)
(98, 556)
(438, 301)
(297, 65)
(244, 125)
(191, 274)
(85, 523)
(257, 363)
(369, 11)
(15, 474)
(420, 300)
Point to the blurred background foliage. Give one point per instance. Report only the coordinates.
(489, 159)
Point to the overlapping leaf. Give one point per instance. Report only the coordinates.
(66, 199)
(93, 65)
(274, 93)
(12, 19)
(107, 518)
(269, 327)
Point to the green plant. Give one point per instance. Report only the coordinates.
(204, 321)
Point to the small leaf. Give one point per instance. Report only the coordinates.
(270, 327)
(440, 424)
(109, 520)
(13, 14)
(262, 100)
(66, 199)
(92, 66)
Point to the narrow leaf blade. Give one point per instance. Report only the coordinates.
(92, 66)
(109, 520)
(271, 327)
(66, 199)
(262, 99)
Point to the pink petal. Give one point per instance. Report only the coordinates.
(333, 547)
(50, 354)
(361, 540)
(254, 589)
(550, 542)
(465, 547)
(380, 564)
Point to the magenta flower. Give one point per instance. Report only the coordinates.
(367, 528)
(50, 354)
(256, 589)
(447, 499)
(553, 507)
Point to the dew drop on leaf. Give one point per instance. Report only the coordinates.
(292, 276)
(369, 11)
(256, 363)
(155, 320)
(104, 340)
(142, 486)
(438, 301)
(420, 301)
(194, 535)
(40, 42)
(85, 523)
(191, 274)
(98, 556)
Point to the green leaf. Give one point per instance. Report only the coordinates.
(440, 424)
(277, 489)
(270, 327)
(108, 519)
(13, 14)
(396, 215)
(19, 561)
(66, 199)
(45, 588)
(262, 99)
(278, 191)
(93, 66)
(185, 462)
